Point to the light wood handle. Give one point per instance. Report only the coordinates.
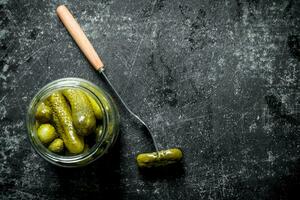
(78, 35)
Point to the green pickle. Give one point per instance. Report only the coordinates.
(43, 113)
(160, 158)
(58, 126)
(96, 108)
(46, 133)
(82, 113)
(57, 146)
(69, 121)
(86, 148)
(98, 132)
(62, 119)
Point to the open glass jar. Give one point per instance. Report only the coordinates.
(106, 136)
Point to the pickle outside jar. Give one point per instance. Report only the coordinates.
(110, 123)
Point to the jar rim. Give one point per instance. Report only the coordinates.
(42, 93)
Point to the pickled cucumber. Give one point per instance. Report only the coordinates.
(43, 113)
(157, 159)
(62, 119)
(98, 132)
(58, 127)
(46, 133)
(56, 146)
(96, 108)
(82, 113)
(86, 148)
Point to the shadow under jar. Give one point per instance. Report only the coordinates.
(96, 144)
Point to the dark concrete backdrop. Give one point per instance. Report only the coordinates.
(220, 79)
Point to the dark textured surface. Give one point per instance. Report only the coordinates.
(220, 79)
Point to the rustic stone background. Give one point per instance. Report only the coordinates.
(220, 79)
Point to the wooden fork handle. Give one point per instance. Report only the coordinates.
(79, 36)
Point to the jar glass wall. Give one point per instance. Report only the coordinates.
(109, 123)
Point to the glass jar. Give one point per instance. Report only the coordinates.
(110, 123)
